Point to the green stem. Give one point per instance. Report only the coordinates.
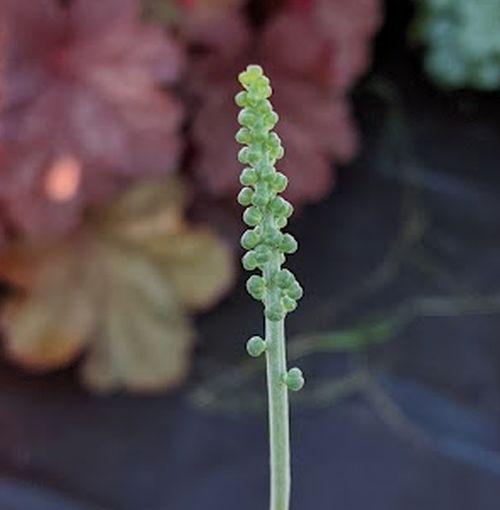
(279, 423)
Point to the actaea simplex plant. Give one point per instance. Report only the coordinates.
(267, 214)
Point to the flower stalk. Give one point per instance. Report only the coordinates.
(267, 214)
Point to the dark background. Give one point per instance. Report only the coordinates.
(410, 422)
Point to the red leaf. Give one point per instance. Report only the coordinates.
(312, 59)
(83, 83)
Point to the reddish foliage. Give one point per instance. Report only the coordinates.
(82, 85)
(313, 52)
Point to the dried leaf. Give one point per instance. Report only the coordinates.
(121, 290)
(50, 327)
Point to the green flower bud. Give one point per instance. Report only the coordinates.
(270, 120)
(246, 118)
(245, 197)
(281, 222)
(250, 239)
(250, 75)
(248, 177)
(295, 290)
(256, 346)
(277, 152)
(263, 254)
(294, 379)
(243, 136)
(260, 92)
(289, 244)
(288, 303)
(241, 99)
(265, 107)
(267, 91)
(274, 146)
(273, 141)
(281, 207)
(275, 312)
(279, 182)
(252, 216)
(266, 172)
(284, 279)
(256, 287)
(249, 261)
(247, 156)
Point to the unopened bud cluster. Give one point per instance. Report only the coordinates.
(266, 212)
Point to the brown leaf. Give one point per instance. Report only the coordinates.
(121, 289)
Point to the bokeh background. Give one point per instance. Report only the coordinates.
(123, 378)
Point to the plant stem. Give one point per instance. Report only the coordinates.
(279, 423)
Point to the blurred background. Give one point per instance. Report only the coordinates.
(124, 383)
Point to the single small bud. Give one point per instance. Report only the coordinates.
(265, 108)
(294, 379)
(289, 209)
(249, 261)
(288, 303)
(246, 118)
(256, 346)
(250, 239)
(241, 99)
(278, 152)
(273, 141)
(252, 216)
(281, 222)
(249, 177)
(256, 287)
(267, 91)
(245, 197)
(243, 136)
(295, 290)
(270, 120)
(289, 244)
(280, 182)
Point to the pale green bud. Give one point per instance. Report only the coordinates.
(294, 379)
(288, 244)
(256, 346)
(250, 239)
(252, 216)
(245, 197)
(256, 287)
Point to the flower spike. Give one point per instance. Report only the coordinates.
(266, 215)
